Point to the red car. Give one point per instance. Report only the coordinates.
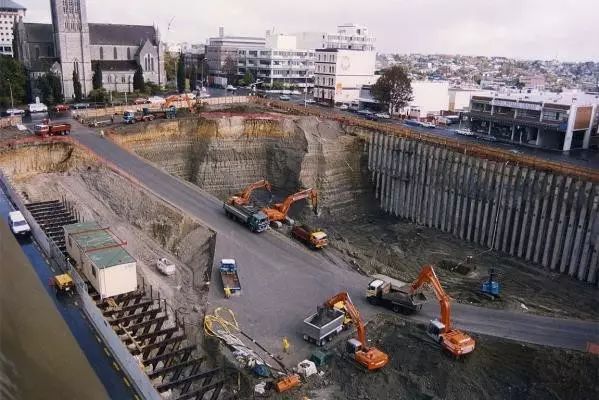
(140, 100)
(61, 108)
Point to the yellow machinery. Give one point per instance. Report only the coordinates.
(63, 283)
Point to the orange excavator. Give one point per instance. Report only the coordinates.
(453, 340)
(278, 212)
(369, 357)
(243, 198)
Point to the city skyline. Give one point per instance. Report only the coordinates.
(523, 30)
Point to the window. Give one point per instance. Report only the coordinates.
(94, 271)
(152, 63)
(101, 53)
(37, 52)
(50, 51)
(115, 54)
(123, 80)
(128, 53)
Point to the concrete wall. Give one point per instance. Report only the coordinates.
(548, 219)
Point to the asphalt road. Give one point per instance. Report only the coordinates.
(283, 282)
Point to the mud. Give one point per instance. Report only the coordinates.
(497, 369)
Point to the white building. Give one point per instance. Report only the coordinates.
(348, 36)
(340, 74)
(9, 11)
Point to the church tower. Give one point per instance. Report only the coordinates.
(71, 38)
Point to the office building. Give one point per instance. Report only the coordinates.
(9, 12)
(558, 121)
(348, 36)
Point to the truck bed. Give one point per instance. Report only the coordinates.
(322, 324)
(231, 281)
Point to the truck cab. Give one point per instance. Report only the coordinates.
(18, 224)
(258, 222)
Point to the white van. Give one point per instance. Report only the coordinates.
(37, 108)
(18, 224)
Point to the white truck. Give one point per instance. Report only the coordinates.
(165, 266)
(18, 224)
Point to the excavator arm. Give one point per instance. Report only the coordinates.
(427, 276)
(304, 194)
(243, 197)
(353, 312)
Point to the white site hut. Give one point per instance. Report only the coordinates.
(100, 254)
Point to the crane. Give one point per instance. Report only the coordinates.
(455, 341)
(278, 212)
(369, 357)
(243, 197)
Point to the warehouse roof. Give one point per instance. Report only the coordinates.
(102, 247)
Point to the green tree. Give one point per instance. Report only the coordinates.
(393, 88)
(98, 95)
(230, 70)
(97, 78)
(77, 86)
(50, 88)
(170, 66)
(12, 76)
(193, 79)
(247, 79)
(181, 74)
(138, 79)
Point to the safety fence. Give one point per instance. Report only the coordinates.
(471, 149)
(129, 365)
(108, 111)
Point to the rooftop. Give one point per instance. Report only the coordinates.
(10, 5)
(100, 244)
(564, 98)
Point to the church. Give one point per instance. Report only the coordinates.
(70, 44)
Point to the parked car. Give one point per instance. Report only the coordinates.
(344, 107)
(79, 106)
(383, 115)
(365, 112)
(61, 108)
(425, 124)
(14, 111)
(156, 100)
(488, 138)
(37, 108)
(284, 97)
(141, 100)
(463, 132)
(204, 95)
(18, 224)
(310, 101)
(231, 88)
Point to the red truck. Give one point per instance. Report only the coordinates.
(52, 129)
(314, 238)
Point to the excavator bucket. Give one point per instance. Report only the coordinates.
(287, 383)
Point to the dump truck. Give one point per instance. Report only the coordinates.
(252, 217)
(168, 112)
(165, 266)
(52, 129)
(314, 238)
(229, 276)
(63, 283)
(131, 117)
(323, 325)
(392, 294)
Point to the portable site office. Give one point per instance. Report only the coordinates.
(99, 253)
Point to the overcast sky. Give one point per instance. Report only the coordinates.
(529, 29)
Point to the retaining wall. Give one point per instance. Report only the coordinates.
(544, 217)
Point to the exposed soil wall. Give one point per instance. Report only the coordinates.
(151, 227)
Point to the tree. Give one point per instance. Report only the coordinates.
(170, 66)
(193, 79)
(76, 86)
(181, 74)
(247, 79)
(138, 79)
(12, 76)
(97, 78)
(393, 88)
(230, 70)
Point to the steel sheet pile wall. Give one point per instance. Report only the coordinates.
(545, 218)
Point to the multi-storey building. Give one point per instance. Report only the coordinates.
(340, 74)
(9, 12)
(559, 121)
(348, 36)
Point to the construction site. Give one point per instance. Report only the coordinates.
(335, 208)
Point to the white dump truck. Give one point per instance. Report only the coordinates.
(165, 266)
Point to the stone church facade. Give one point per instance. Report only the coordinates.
(72, 43)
